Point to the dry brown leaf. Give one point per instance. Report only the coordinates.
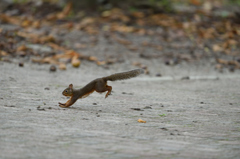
(122, 28)
(101, 63)
(218, 67)
(80, 46)
(66, 10)
(36, 24)
(234, 63)
(231, 62)
(232, 42)
(141, 121)
(141, 31)
(123, 41)
(73, 53)
(137, 64)
(69, 54)
(87, 21)
(91, 30)
(45, 39)
(51, 17)
(62, 66)
(36, 38)
(22, 48)
(221, 61)
(217, 48)
(133, 48)
(26, 23)
(49, 60)
(27, 35)
(56, 47)
(208, 33)
(138, 14)
(145, 43)
(195, 2)
(118, 14)
(3, 53)
(93, 58)
(10, 19)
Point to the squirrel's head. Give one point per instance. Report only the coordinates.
(68, 91)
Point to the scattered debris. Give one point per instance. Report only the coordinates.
(158, 75)
(141, 121)
(147, 107)
(40, 109)
(162, 115)
(52, 68)
(138, 109)
(219, 38)
(11, 106)
(20, 64)
(185, 78)
(163, 128)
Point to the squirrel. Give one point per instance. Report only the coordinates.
(99, 85)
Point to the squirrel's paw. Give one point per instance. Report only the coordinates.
(61, 104)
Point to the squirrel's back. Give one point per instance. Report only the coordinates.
(124, 75)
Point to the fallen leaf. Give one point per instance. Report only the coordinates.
(36, 24)
(138, 14)
(93, 58)
(141, 121)
(101, 63)
(66, 10)
(3, 53)
(56, 47)
(195, 2)
(133, 48)
(217, 48)
(62, 66)
(26, 23)
(123, 41)
(22, 48)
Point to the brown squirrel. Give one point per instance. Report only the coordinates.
(99, 85)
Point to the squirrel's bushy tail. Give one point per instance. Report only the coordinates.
(124, 75)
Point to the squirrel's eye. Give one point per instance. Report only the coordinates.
(66, 91)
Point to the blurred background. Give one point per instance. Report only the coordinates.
(140, 33)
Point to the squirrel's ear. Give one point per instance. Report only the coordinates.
(70, 86)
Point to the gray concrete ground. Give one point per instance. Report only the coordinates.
(196, 118)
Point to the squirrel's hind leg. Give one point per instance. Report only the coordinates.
(109, 89)
(100, 88)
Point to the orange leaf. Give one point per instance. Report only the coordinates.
(141, 121)
(62, 66)
(22, 48)
(93, 58)
(36, 24)
(123, 41)
(217, 48)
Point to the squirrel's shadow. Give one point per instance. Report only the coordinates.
(80, 109)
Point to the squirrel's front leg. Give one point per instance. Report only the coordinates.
(63, 105)
(70, 102)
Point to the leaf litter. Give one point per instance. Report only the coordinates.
(210, 35)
